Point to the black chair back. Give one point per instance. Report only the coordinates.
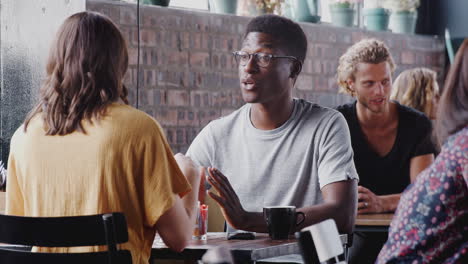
(309, 253)
(74, 231)
(307, 247)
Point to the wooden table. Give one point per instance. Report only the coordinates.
(373, 222)
(243, 251)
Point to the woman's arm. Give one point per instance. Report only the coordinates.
(176, 225)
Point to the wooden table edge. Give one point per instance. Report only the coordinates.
(374, 219)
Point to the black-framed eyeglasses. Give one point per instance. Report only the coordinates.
(262, 59)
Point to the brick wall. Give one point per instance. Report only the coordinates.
(188, 77)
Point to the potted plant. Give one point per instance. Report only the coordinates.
(376, 15)
(302, 10)
(223, 6)
(260, 7)
(156, 2)
(404, 15)
(342, 12)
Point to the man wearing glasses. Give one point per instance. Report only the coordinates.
(277, 150)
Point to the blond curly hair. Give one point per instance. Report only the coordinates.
(416, 88)
(365, 51)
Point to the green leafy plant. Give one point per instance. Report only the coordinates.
(270, 6)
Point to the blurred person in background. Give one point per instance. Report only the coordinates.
(431, 221)
(83, 150)
(391, 142)
(418, 89)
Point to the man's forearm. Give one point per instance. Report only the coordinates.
(340, 204)
(344, 218)
(390, 202)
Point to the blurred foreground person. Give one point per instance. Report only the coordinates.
(431, 221)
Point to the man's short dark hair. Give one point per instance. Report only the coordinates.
(289, 34)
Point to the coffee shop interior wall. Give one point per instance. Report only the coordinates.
(187, 75)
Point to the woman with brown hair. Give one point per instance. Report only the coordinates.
(430, 224)
(83, 150)
(417, 88)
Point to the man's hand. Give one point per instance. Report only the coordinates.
(227, 199)
(368, 202)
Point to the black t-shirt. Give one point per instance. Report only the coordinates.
(391, 173)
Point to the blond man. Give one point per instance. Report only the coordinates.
(391, 142)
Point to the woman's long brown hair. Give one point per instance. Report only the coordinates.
(85, 72)
(453, 106)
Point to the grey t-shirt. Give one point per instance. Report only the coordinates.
(284, 166)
